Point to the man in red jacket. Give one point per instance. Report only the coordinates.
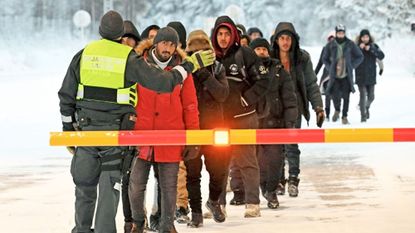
(162, 111)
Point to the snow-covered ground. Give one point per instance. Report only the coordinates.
(344, 187)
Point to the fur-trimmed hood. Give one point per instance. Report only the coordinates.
(145, 45)
(198, 40)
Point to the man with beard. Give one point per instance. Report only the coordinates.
(283, 114)
(248, 82)
(297, 63)
(366, 72)
(99, 93)
(162, 111)
(341, 56)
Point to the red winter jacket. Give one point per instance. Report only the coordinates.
(166, 111)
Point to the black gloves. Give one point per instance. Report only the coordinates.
(319, 116)
(381, 72)
(190, 152)
(71, 149)
(202, 75)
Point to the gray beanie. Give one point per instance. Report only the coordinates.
(166, 34)
(112, 26)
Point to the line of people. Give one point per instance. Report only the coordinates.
(164, 80)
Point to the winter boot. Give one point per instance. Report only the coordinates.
(293, 186)
(345, 121)
(154, 222)
(252, 211)
(335, 116)
(216, 210)
(137, 229)
(238, 198)
(127, 227)
(272, 199)
(197, 220)
(367, 113)
(281, 187)
(363, 119)
(181, 215)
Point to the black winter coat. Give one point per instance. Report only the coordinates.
(281, 96)
(353, 57)
(212, 89)
(366, 71)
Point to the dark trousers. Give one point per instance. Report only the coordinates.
(367, 95)
(244, 160)
(341, 90)
(327, 103)
(217, 163)
(293, 155)
(271, 159)
(167, 178)
(91, 179)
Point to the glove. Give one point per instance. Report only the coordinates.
(289, 125)
(201, 59)
(319, 116)
(202, 75)
(190, 153)
(71, 149)
(380, 71)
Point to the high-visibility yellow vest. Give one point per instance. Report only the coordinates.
(102, 73)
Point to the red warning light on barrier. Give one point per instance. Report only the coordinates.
(221, 137)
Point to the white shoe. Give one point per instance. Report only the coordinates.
(252, 211)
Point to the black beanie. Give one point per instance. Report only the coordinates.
(144, 34)
(259, 42)
(111, 26)
(181, 31)
(364, 32)
(131, 31)
(166, 34)
(253, 30)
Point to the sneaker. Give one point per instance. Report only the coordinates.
(272, 200)
(127, 227)
(238, 198)
(252, 211)
(197, 220)
(335, 116)
(293, 186)
(154, 222)
(281, 187)
(216, 210)
(345, 121)
(181, 215)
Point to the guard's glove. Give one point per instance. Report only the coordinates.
(380, 71)
(201, 59)
(319, 116)
(71, 149)
(190, 153)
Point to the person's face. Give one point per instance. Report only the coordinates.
(365, 39)
(129, 42)
(244, 42)
(340, 34)
(254, 35)
(164, 50)
(261, 52)
(152, 33)
(223, 37)
(284, 42)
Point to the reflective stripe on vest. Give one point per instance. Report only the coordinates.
(102, 73)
